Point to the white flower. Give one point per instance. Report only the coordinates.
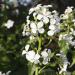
(33, 25)
(32, 37)
(32, 57)
(45, 61)
(9, 24)
(39, 16)
(60, 37)
(45, 19)
(34, 14)
(40, 27)
(68, 38)
(72, 43)
(45, 57)
(68, 10)
(52, 27)
(23, 33)
(50, 33)
(34, 31)
(52, 21)
(64, 16)
(31, 10)
(26, 30)
(64, 68)
(24, 52)
(41, 30)
(44, 54)
(37, 27)
(26, 49)
(40, 24)
(36, 59)
(64, 62)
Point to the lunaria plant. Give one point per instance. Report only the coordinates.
(50, 36)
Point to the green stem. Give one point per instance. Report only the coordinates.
(64, 73)
(48, 42)
(36, 71)
(39, 44)
(42, 69)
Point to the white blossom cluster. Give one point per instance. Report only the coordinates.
(67, 12)
(7, 73)
(35, 57)
(69, 24)
(44, 21)
(65, 62)
(68, 39)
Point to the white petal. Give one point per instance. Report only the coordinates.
(45, 61)
(24, 52)
(23, 33)
(45, 20)
(68, 10)
(41, 30)
(39, 16)
(31, 10)
(36, 61)
(30, 56)
(44, 54)
(34, 14)
(40, 24)
(52, 21)
(34, 31)
(32, 37)
(33, 25)
(27, 47)
(37, 56)
(50, 33)
(52, 27)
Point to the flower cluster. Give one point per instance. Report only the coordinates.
(43, 23)
(65, 63)
(34, 57)
(68, 26)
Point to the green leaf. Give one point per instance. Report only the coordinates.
(64, 46)
(73, 59)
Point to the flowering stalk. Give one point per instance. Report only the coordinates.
(41, 24)
(39, 44)
(36, 71)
